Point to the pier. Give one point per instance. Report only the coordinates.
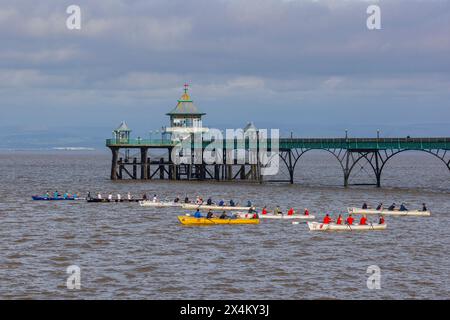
(131, 159)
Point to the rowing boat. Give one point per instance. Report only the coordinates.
(38, 198)
(276, 216)
(412, 213)
(159, 204)
(285, 216)
(193, 206)
(188, 220)
(317, 226)
(95, 200)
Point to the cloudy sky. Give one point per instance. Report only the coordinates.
(308, 66)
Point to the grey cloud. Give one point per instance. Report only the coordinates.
(263, 59)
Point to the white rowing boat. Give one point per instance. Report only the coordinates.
(275, 216)
(193, 206)
(385, 212)
(317, 226)
(159, 204)
(285, 216)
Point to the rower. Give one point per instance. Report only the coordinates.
(249, 203)
(380, 207)
(144, 197)
(424, 207)
(209, 202)
(349, 220)
(55, 194)
(88, 195)
(99, 196)
(381, 221)
(47, 195)
(327, 219)
(198, 200)
(403, 207)
(364, 206)
(363, 220)
(251, 210)
(66, 195)
(277, 211)
(176, 200)
(339, 219)
(232, 204)
(264, 210)
(291, 212)
(221, 203)
(129, 196)
(306, 213)
(155, 198)
(119, 197)
(223, 215)
(186, 200)
(197, 214)
(110, 197)
(209, 215)
(392, 207)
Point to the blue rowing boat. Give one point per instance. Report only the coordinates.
(38, 198)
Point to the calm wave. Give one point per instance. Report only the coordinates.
(125, 251)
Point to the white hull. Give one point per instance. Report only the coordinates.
(158, 204)
(317, 226)
(285, 216)
(192, 206)
(412, 213)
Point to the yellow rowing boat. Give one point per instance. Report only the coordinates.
(187, 220)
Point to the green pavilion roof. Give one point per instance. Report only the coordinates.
(185, 106)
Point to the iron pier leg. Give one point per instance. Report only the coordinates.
(161, 168)
(115, 156)
(347, 168)
(134, 168)
(144, 164)
(291, 169)
(377, 168)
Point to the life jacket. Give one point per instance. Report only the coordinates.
(339, 220)
(363, 221)
(326, 220)
(264, 211)
(306, 213)
(290, 212)
(350, 220)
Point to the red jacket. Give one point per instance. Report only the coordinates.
(339, 220)
(363, 221)
(306, 213)
(350, 220)
(264, 211)
(326, 220)
(290, 212)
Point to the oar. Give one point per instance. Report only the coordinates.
(348, 225)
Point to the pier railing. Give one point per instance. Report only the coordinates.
(309, 143)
